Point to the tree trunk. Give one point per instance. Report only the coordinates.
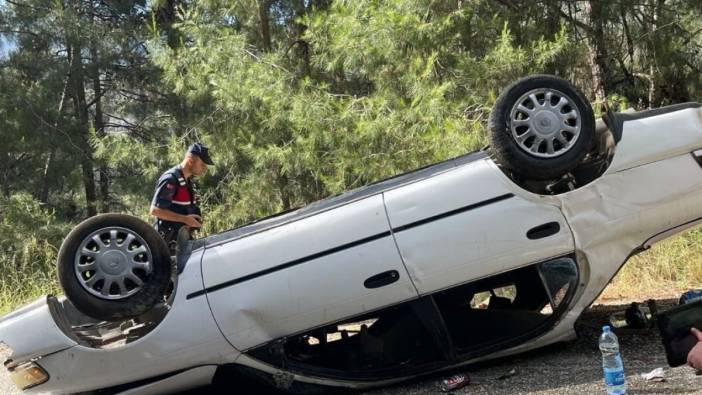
(284, 194)
(657, 6)
(264, 25)
(552, 27)
(89, 183)
(44, 193)
(165, 18)
(628, 72)
(6, 179)
(99, 125)
(303, 47)
(81, 111)
(597, 49)
(627, 33)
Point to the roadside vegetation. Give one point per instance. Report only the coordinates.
(298, 100)
(665, 271)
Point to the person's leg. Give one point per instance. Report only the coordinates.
(169, 235)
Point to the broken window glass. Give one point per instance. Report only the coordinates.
(559, 275)
(505, 306)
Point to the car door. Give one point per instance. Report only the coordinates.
(401, 340)
(472, 222)
(507, 309)
(303, 274)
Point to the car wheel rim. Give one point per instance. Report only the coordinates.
(113, 263)
(545, 123)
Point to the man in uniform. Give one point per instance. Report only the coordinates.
(173, 204)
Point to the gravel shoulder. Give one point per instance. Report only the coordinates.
(572, 367)
(564, 368)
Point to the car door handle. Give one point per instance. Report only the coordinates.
(382, 279)
(545, 230)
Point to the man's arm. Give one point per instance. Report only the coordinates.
(165, 214)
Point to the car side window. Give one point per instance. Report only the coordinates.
(367, 346)
(506, 306)
(559, 275)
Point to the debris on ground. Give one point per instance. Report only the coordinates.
(690, 296)
(657, 375)
(455, 382)
(507, 375)
(636, 317)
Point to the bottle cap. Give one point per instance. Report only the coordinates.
(606, 328)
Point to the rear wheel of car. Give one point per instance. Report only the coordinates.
(541, 127)
(114, 266)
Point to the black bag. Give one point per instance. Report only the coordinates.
(674, 325)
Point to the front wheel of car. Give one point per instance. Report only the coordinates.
(114, 266)
(540, 127)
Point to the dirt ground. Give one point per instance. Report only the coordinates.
(565, 368)
(573, 367)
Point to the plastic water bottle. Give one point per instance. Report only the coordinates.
(612, 362)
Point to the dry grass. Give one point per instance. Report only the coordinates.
(666, 270)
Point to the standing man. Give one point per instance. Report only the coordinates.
(173, 204)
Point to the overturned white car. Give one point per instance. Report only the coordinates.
(488, 254)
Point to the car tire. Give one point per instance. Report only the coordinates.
(536, 138)
(114, 266)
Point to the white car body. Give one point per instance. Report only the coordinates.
(425, 233)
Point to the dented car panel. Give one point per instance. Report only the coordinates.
(623, 206)
(626, 211)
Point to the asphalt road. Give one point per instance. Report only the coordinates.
(564, 368)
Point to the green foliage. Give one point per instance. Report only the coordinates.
(388, 90)
(23, 216)
(298, 100)
(29, 240)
